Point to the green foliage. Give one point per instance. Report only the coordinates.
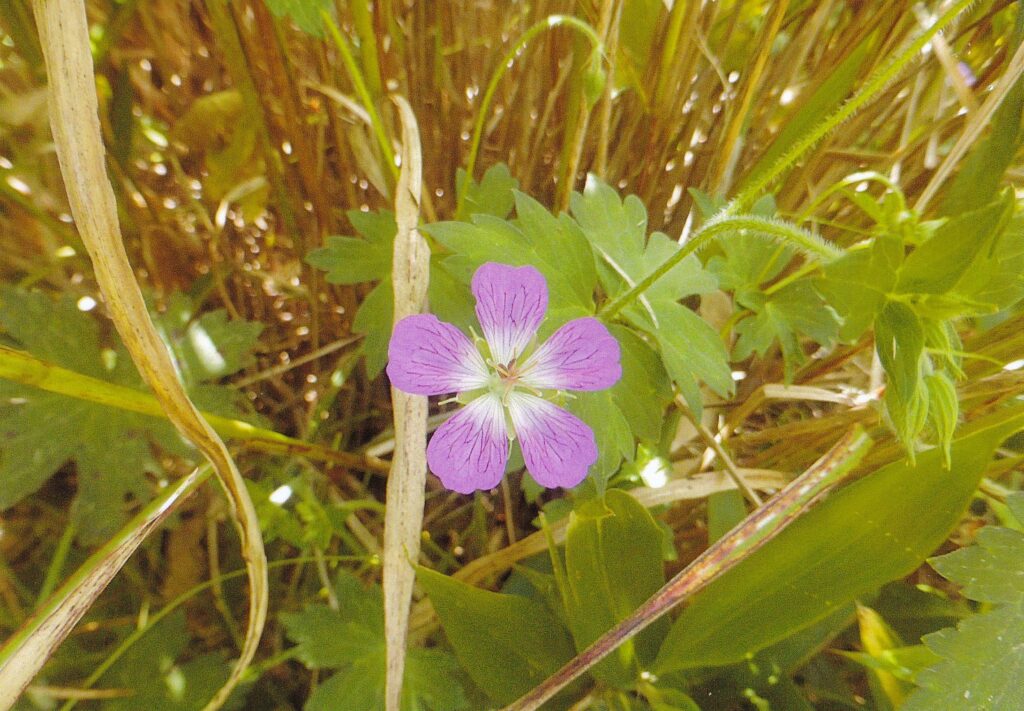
(493, 195)
(112, 449)
(152, 670)
(690, 349)
(613, 563)
(871, 532)
(350, 641)
(506, 643)
(981, 664)
(964, 266)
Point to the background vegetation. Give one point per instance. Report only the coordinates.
(848, 170)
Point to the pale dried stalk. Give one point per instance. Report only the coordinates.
(25, 651)
(403, 516)
(74, 118)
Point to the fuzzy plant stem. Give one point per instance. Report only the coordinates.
(811, 245)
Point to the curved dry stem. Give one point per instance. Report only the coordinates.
(74, 119)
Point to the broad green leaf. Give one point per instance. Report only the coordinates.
(748, 261)
(617, 230)
(208, 347)
(491, 196)
(374, 319)
(304, 13)
(427, 685)
(351, 639)
(937, 265)
(996, 277)
(981, 663)
(42, 431)
(506, 643)
(613, 564)
(875, 530)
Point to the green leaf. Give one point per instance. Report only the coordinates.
(351, 639)
(937, 265)
(374, 319)
(558, 241)
(613, 564)
(304, 13)
(748, 261)
(857, 284)
(158, 681)
(795, 310)
(352, 260)
(996, 277)
(491, 196)
(875, 530)
(692, 351)
(644, 391)
(617, 230)
(508, 644)
(210, 347)
(981, 663)
(42, 431)
(552, 246)
(611, 432)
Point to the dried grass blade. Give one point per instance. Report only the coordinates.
(405, 495)
(27, 650)
(74, 119)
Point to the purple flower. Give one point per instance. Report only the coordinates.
(469, 451)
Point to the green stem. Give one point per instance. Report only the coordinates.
(20, 367)
(359, 83)
(60, 557)
(506, 62)
(809, 244)
(874, 86)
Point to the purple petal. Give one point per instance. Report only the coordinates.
(581, 355)
(430, 357)
(469, 452)
(558, 447)
(510, 304)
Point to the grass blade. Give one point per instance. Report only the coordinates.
(74, 120)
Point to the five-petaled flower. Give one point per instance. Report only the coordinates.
(470, 451)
